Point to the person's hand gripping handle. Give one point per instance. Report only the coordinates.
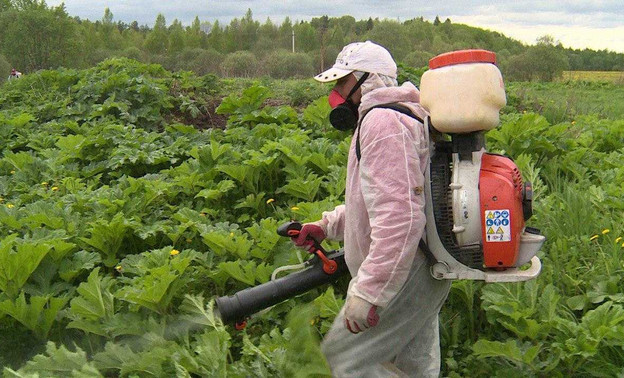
(309, 237)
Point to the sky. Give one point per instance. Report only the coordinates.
(595, 24)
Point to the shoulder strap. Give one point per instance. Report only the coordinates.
(396, 107)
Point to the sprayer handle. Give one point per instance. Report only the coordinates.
(287, 229)
(292, 230)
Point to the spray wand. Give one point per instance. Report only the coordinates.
(324, 267)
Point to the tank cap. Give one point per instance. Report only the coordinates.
(462, 56)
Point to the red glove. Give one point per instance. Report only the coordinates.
(315, 230)
(359, 314)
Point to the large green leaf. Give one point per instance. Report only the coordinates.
(38, 315)
(303, 188)
(57, 362)
(148, 362)
(247, 272)
(245, 175)
(218, 191)
(522, 354)
(265, 237)
(69, 268)
(317, 113)
(251, 99)
(156, 287)
(20, 160)
(107, 237)
(328, 304)
(71, 146)
(222, 242)
(18, 260)
(94, 304)
(208, 355)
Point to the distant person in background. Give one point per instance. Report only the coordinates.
(15, 74)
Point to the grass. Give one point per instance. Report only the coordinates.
(565, 101)
(615, 77)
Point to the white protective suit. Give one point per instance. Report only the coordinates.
(381, 224)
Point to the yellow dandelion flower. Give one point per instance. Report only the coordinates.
(54, 188)
(174, 252)
(10, 205)
(622, 245)
(270, 200)
(593, 237)
(573, 122)
(118, 268)
(605, 231)
(45, 183)
(294, 208)
(618, 240)
(12, 172)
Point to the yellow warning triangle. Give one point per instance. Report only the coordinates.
(490, 230)
(500, 231)
(490, 216)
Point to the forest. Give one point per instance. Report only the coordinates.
(36, 36)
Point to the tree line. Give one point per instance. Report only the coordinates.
(37, 36)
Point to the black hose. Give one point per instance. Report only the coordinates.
(237, 307)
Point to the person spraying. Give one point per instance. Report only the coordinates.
(389, 324)
(402, 173)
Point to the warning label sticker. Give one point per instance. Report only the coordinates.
(497, 225)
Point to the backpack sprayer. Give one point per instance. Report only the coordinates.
(477, 204)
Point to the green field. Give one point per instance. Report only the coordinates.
(564, 102)
(615, 77)
(131, 196)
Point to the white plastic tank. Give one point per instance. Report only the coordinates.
(463, 91)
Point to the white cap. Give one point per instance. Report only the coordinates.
(360, 56)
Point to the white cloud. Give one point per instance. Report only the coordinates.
(578, 35)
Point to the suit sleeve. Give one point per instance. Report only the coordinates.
(335, 223)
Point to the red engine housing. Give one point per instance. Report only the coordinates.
(500, 194)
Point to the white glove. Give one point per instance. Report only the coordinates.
(359, 314)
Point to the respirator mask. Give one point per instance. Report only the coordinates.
(344, 115)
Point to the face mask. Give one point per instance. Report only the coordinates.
(344, 116)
